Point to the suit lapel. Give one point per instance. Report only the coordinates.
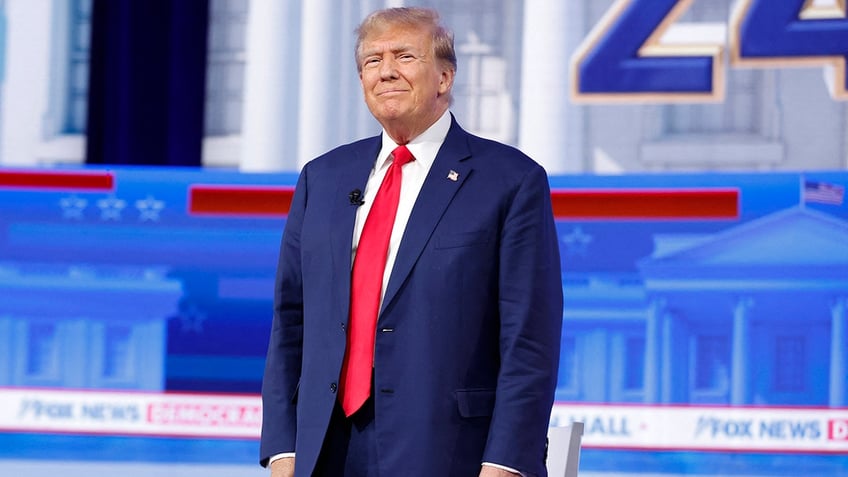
(446, 176)
(353, 174)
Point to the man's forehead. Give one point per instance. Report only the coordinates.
(397, 37)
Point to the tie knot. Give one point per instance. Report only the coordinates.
(402, 155)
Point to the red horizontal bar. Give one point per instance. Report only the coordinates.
(239, 200)
(598, 204)
(651, 204)
(57, 180)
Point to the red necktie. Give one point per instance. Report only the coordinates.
(366, 286)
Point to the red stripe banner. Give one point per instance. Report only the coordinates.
(55, 180)
(650, 204)
(239, 200)
(589, 204)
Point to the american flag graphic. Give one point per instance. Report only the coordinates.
(823, 192)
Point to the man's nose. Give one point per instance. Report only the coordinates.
(388, 68)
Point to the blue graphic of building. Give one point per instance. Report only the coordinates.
(754, 314)
(84, 327)
(126, 289)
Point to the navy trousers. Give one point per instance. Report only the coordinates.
(350, 446)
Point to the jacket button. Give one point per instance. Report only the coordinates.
(343, 326)
(333, 387)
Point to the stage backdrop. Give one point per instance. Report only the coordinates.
(705, 322)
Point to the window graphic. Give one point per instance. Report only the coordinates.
(118, 352)
(634, 365)
(568, 364)
(225, 68)
(712, 358)
(80, 47)
(790, 364)
(42, 354)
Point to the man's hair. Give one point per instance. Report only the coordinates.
(415, 17)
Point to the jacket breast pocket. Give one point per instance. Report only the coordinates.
(475, 402)
(462, 239)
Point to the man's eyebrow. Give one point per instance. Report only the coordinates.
(394, 49)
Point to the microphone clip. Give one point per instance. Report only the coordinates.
(355, 197)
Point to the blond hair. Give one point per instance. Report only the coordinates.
(416, 17)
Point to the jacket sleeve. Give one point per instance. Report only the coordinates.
(283, 362)
(530, 308)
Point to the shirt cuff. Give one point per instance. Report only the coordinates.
(279, 456)
(503, 467)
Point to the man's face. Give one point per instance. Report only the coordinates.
(404, 84)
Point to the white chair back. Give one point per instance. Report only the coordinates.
(564, 450)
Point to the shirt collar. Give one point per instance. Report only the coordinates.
(424, 147)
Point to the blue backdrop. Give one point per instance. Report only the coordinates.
(160, 280)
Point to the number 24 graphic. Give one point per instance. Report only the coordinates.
(624, 59)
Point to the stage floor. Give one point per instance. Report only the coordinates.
(32, 468)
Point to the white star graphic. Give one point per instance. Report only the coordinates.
(149, 209)
(72, 207)
(577, 242)
(191, 319)
(111, 207)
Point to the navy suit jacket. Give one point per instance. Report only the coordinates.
(468, 335)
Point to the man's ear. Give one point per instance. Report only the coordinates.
(446, 82)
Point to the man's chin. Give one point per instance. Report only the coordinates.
(389, 114)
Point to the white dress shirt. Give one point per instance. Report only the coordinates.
(424, 149)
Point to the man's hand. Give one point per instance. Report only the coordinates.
(282, 467)
(489, 471)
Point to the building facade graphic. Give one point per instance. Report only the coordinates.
(272, 104)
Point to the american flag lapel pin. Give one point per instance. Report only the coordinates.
(453, 175)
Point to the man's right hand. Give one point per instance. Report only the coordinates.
(282, 467)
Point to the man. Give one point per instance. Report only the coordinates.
(452, 239)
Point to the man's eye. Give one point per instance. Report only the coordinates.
(372, 61)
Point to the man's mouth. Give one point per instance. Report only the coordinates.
(391, 92)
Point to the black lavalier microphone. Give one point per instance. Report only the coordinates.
(355, 197)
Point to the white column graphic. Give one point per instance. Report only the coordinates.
(6, 349)
(27, 81)
(269, 130)
(550, 127)
(319, 71)
(845, 137)
(653, 350)
(838, 354)
(667, 337)
(740, 365)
